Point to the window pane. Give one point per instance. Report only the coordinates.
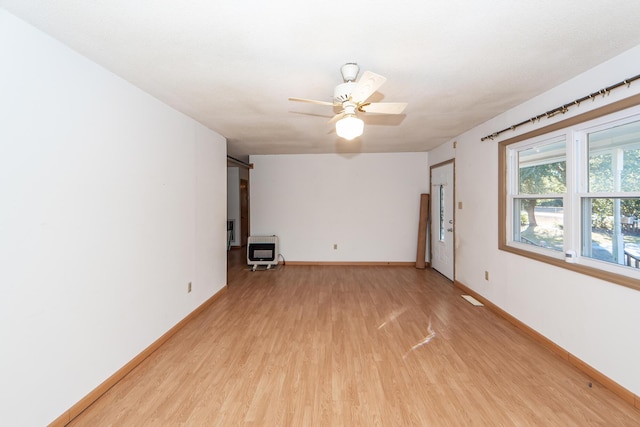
(441, 221)
(610, 230)
(542, 169)
(539, 222)
(614, 159)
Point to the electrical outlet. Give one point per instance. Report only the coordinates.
(335, 246)
(486, 275)
(189, 287)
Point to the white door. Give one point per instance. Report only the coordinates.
(442, 219)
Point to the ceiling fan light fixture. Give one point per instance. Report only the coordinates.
(349, 127)
(353, 97)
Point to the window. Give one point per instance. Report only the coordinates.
(441, 215)
(570, 194)
(538, 198)
(611, 208)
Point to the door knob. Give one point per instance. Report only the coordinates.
(450, 230)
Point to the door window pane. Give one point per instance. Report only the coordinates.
(442, 206)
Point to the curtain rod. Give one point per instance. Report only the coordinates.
(240, 162)
(564, 108)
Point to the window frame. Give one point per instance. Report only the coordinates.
(572, 199)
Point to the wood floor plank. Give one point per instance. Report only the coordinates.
(352, 346)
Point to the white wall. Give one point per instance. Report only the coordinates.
(233, 201)
(592, 319)
(367, 204)
(111, 203)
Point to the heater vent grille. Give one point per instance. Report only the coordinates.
(262, 250)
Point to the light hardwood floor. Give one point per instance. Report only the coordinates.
(352, 346)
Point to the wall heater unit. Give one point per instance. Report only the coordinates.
(262, 250)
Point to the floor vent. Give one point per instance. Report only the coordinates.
(472, 300)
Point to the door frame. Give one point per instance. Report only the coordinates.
(453, 212)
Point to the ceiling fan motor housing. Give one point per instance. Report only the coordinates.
(342, 92)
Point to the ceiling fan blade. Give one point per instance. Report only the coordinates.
(311, 101)
(384, 107)
(336, 117)
(368, 83)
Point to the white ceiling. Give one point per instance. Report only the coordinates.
(232, 64)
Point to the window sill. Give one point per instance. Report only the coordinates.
(619, 279)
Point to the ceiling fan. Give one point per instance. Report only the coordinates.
(351, 97)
